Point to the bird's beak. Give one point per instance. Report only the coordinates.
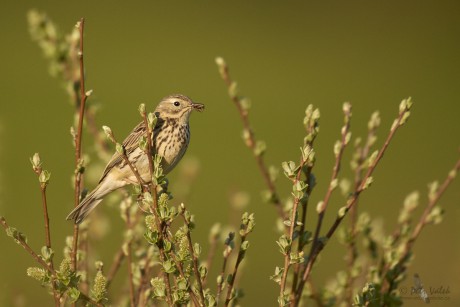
(198, 106)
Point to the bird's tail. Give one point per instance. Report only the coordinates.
(89, 203)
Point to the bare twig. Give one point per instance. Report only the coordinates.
(48, 238)
(249, 136)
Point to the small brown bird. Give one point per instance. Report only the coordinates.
(171, 137)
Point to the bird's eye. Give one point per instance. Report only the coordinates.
(176, 103)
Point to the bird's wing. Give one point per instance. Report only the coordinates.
(130, 143)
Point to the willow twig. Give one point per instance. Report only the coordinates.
(249, 136)
(293, 221)
(78, 140)
(194, 257)
(231, 282)
(227, 251)
(404, 111)
(311, 122)
(42, 262)
(36, 163)
(362, 155)
(423, 221)
(182, 274)
(211, 254)
(129, 261)
(154, 208)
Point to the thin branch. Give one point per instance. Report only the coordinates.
(301, 242)
(246, 227)
(46, 217)
(423, 221)
(129, 260)
(335, 173)
(354, 198)
(227, 251)
(345, 137)
(194, 257)
(433, 201)
(78, 140)
(182, 274)
(48, 239)
(249, 136)
(211, 254)
(311, 122)
(43, 184)
(363, 154)
(24, 244)
(235, 270)
(293, 221)
(42, 262)
(154, 209)
(153, 187)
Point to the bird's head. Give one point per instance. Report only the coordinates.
(177, 107)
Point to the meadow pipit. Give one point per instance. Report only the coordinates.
(171, 137)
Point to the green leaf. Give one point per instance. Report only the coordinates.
(168, 266)
(36, 162)
(16, 235)
(47, 253)
(197, 250)
(151, 236)
(73, 294)
(284, 244)
(44, 177)
(152, 120)
(278, 275)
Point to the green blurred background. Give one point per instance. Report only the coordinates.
(284, 55)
